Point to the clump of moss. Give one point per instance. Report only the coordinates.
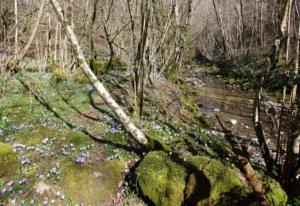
(91, 184)
(9, 164)
(161, 180)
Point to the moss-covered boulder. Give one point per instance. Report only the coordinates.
(275, 195)
(161, 180)
(221, 180)
(9, 164)
(199, 180)
(91, 184)
(202, 181)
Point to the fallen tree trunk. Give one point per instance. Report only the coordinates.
(245, 166)
(114, 106)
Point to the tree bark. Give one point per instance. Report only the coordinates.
(124, 119)
(17, 26)
(259, 129)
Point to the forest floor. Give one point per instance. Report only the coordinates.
(66, 148)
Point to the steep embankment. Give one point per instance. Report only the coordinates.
(70, 149)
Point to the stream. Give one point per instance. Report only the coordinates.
(235, 107)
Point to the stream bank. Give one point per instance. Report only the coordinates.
(61, 127)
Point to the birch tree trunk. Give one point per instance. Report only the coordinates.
(289, 32)
(124, 119)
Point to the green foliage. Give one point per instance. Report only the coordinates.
(5, 122)
(294, 202)
(282, 76)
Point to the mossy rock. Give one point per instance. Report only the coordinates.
(275, 195)
(220, 179)
(202, 181)
(9, 164)
(161, 180)
(91, 184)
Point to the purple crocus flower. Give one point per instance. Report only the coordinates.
(19, 147)
(53, 170)
(25, 161)
(80, 160)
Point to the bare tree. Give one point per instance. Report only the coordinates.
(118, 111)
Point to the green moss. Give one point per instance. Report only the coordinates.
(275, 195)
(77, 138)
(161, 180)
(91, 184)
(9, 164)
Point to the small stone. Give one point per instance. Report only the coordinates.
(10, 183)
(217, 110)
(233, 121)
(65, 153)
(82, 148)
(22, 181)
(45, 141)
(57, 194)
